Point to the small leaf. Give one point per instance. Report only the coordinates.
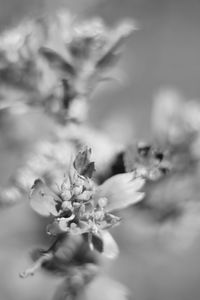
(111, 55)
(90, 169)
(97, 243)
(67, 247)
(121, 191)
(108, 60)
(44, 201)
(82, 160)
(82, 163)
(57, 61)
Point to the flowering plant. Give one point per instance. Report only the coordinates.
(81, 213)
(78, 178)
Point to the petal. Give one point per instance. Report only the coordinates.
(121, 191)
(110, 247)
(43, 200)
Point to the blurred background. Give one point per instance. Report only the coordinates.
(164, 53)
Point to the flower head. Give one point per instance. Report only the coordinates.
(81, 207)
(55, 63)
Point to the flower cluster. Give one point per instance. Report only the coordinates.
(80, 206)
(81, 212)
(173, 201)
(146, 161)
(56, 62)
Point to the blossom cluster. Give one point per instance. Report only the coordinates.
(56, 62)
(80, 206)
(172, 201)
(147, 161)
(81, 213)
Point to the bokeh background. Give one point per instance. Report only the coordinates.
(164, 53)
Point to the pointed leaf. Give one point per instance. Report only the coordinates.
(97, 243)
(57, 61)
(111, 55)
(89, 170)
(82, 163)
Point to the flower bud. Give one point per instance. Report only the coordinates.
(77, 190)
(66, 205)
(66, 195)
(102, 202)
(85, 196)
(99, 215)
(66, 184)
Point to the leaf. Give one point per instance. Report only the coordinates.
(108, 60)
(97, 243)
(44, 201)
(82, 163)
(57, 61)
(121, 191)
(90, 169)
(82, 160)
(111, 55)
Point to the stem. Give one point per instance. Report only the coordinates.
(31, 271)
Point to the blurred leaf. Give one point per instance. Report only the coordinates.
(57, 61)
(112, 53)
